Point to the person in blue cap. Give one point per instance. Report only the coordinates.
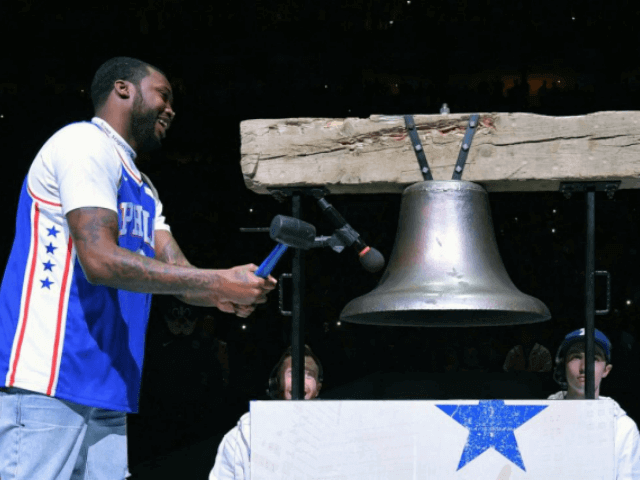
(569, 373)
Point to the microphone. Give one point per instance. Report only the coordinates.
(288, 232)
(370, 258)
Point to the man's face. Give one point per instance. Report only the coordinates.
(152, 112)
(575, 369)
(311, 385)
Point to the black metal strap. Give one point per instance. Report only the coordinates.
(609, 186)
(417, 147)
(282, 193)
(466, 144)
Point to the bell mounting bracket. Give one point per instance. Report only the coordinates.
(417, 147)
(282, 193)
(422, 158)
(466, 145)
(610, 187)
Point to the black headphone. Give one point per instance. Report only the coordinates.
(274, 388)
(559, 374)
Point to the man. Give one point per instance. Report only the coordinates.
(233, 460)
(570, 374)
(91, 245)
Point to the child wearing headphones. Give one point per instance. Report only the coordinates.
(569, 373)
(233, 460)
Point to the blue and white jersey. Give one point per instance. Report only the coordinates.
(60, 335)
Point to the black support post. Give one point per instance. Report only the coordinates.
(589, 273)
(297, 317)
(590, 188)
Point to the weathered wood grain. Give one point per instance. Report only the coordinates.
(510, 151)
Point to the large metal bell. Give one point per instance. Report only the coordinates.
(445, 269)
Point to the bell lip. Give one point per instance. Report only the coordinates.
(450, 318)
(511, 308)
(398, 300)
(443, 186)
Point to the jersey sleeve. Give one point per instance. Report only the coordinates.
(81, 168)
(160, 222)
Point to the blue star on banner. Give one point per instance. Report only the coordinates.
(491, 424)
(48, 266)
(46, 283)
(50, 248)
(52, 232)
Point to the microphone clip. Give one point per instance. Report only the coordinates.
(334, 242)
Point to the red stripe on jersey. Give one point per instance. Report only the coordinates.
(36, 218)
(56, 345)
(42, 199)
(133, 175)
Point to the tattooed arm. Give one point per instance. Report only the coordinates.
(168, 251)
(95, 234)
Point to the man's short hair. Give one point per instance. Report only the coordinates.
(117, 68)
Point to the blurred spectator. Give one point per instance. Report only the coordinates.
(528, 355)
(451, 362)
(488, 357)
(446, 355)
(415, 352)
(470, 359)
(179, 320)
(218, 347)
(627, 353)
(184, 385)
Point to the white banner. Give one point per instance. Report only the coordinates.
(435, 440)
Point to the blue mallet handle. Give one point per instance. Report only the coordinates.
(265, 268)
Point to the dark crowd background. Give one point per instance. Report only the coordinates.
(249, 59)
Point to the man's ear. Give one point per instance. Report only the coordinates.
(123, 88)
(607, 369)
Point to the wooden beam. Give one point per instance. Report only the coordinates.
(510, 151)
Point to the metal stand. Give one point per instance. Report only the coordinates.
(297, 278)
(343, 236)
(589, 272)
(589, 290)
(297, 319)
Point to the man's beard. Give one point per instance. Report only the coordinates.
(143, 126)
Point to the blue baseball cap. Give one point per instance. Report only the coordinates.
(579, 336)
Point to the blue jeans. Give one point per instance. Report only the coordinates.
(44, 438)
